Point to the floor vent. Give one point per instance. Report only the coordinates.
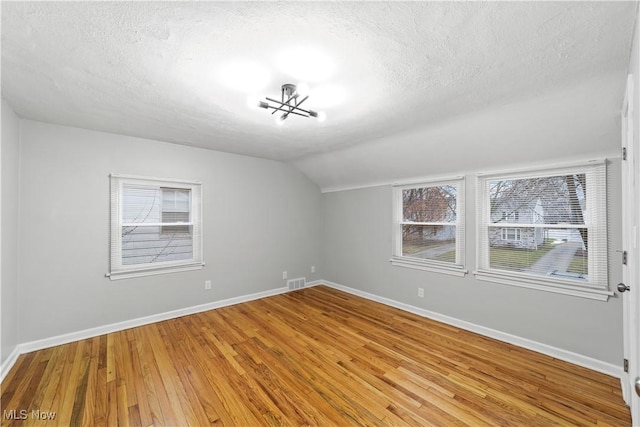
(298, 283)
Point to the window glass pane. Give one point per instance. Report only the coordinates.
(429, 204)
(140, 204)
(182, 197)
(168, 199)
(175, 200)
(547, 200)
(175, 209)
(149, 244)
(435, 242)
(550, 252)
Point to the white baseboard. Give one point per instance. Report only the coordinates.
(8, 364)
(568, 356)
(128, 324)
(558, 353)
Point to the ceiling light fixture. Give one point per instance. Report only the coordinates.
(290, 104)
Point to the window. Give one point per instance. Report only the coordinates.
(155, 226)
(511, 234)
(545, 230)
(429, 227)
(510, 216)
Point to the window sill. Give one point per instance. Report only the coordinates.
(129, 274)
(435, 267)
(542, 284)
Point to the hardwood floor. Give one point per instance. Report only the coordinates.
(316, 356)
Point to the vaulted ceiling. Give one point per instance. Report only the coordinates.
(414, 88)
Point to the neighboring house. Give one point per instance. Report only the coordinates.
(514, 212)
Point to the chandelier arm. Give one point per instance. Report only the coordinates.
(285, 105)
(293, 107)
(277, 102)
(303, 99)
(286, 111)
(292, 97)
(302, 109)
(282, 104)
(294, 112)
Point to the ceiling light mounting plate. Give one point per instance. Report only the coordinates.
(289, 90)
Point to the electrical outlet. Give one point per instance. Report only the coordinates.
(207, 285)
(313, 268)
(421, 292)
(284, 275)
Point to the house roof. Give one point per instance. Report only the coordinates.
(424, 87)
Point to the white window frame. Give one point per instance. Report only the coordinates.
(456, 268)
(116, 268)
(597, 287)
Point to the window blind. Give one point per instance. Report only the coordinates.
(549, 226)
(155, 224)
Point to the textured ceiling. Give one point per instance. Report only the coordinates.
(155, 69)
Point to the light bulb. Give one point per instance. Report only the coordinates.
(322, 116)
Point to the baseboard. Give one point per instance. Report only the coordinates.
(575, 358)
(558, 353)
(120, 326)
(6, 366)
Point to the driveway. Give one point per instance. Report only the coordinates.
(557, 259)
(434, 252)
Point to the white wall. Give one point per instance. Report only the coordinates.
(9, 281)
(260, 218)
(358, 246)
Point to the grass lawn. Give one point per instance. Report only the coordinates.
(447, 257)
(579, 264)
(517, 259)
(409, 248)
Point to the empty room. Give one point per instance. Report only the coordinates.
(320, 213)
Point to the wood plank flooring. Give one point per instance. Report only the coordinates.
(316, 356)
